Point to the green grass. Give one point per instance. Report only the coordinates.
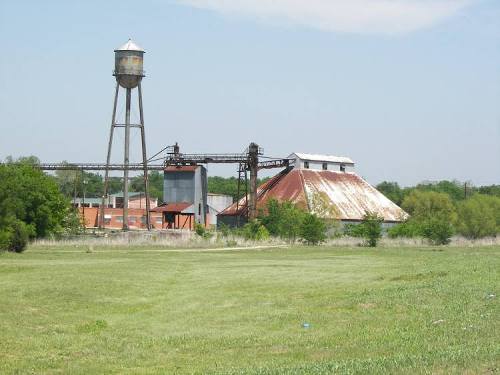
(401, 311)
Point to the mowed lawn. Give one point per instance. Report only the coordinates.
(140, 311)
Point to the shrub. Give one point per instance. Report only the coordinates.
(423, 205)
(313, 229)
(437, 229)
(254, 230)
(14, 236)
(372, 228)
(201, 231)
(354, 230)
(431, 216)
(283, 219)
(477, 216)
(407, 229)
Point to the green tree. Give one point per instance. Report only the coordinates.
(155, 185)
(313, 229)
(372, 228)
(283, 219)
(489, 190)
(29, 196)
(392, 191)
(432, 213)
(479, 216)
(254, 230)
(454, 189)
(228, 186)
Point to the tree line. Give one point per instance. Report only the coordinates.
(441, 209)
(34, 204)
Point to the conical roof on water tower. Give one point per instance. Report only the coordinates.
(129, 60)
(130, 46)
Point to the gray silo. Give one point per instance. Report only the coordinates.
(129, 72)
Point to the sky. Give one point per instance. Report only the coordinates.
(408, 89)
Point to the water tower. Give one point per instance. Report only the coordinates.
(129, 73)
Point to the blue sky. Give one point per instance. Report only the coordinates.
(408, 89)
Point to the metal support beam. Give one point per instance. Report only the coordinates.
(126, 159)
(144, 161)
(253, 164)
(108, 159)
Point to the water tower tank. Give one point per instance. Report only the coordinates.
(128, 65)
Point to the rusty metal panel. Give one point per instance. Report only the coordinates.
(348, 194)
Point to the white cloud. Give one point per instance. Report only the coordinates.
(355, 16)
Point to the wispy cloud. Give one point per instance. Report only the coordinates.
(354, 16)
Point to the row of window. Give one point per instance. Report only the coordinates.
(325, 166)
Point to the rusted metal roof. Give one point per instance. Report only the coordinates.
(172, 207)
(181, 168)
(345, 195)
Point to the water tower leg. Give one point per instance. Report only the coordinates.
(253, 162)
(144, 160)
(108, 159)
(126, 160)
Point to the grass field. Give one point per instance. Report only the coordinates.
(139, 311)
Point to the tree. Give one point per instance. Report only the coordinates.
(228, 186)
(30, 204)
(392, 191)
(283, 219)
(432, 213)
(155, 185)
(372, 228)
(313, 229)
(479, 216)
(454, 189)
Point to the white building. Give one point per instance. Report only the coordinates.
(318, 162)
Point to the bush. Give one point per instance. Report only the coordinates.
(478, 216)
(372, 228)
(201, 231)
(437, 229)
(354, 230)
(14, 237)
(283, 219)
(407, 229)
(254, 230)
(431, 216)
(313, 230)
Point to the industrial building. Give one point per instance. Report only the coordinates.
(316, 181)
(113, 211)
(113, 218)
(308, 180)
(186, 198)
(136, 200)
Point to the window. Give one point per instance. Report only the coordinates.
(342, 167)
(132, 219)
(119, 219)
(325, 166)
(306, 165)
